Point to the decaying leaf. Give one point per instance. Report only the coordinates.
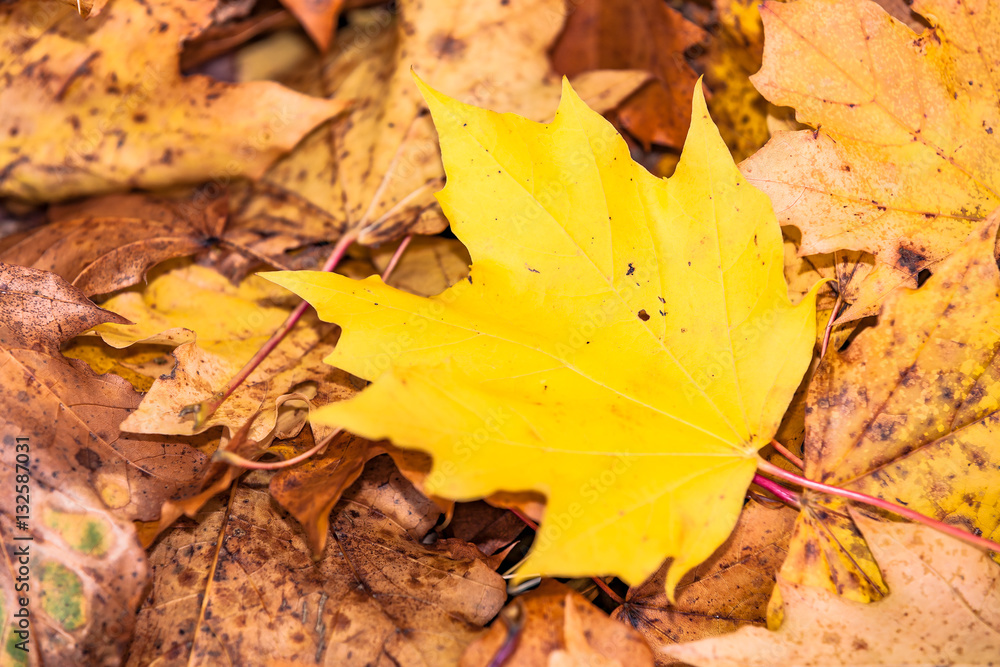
(40, 311)
(943, 608)
(375, 170)
(489, 528)
(729, 590)
(554, 626)
(733, 54)
(71, 484)
(626, 355)
(73, 415)
(106, 244)
(907, 413)
(84, 568)
(642, 35)
(310, 490)
(219, 327)
(902, 162)
(98, 106)
(240, 586)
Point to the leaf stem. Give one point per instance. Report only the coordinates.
(829, 325)
(396, 257)
(784, 495)
(617, 599)
(204, 410)
(789, 456)
(954, 531)
(235, 459)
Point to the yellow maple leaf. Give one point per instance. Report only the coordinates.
(623, 344)
(903, 160)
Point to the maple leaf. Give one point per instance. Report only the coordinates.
(623, 344)
(108, 243)
(241, 583)
(729, 590)
(942, 607)
(375, 170)
(907, 413)
(893, 112)
(97, 106)
(556, 626)
(645, 35)
(217, 328)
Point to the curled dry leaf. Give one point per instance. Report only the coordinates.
(40, 311)
(218, 327)
(98, 106)
(943, 608)
(894, 111)
(907, 413)
(489, 528)
(109, 243)
(555, 626)
(240, 585)
(545, 370)
(375, 171)
(729, 590)
(642, 35)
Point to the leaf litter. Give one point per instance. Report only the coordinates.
(266, 536)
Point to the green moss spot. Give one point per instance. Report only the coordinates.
(62, 596)
(17, 656)
(84, 534)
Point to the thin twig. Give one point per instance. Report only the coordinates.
(954, 531)
(784, 451)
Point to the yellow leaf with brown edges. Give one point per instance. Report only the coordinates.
(903, 158)
(216, 328)
(909, 413)
(96, 106)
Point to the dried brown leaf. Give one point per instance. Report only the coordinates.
(557, 627)
(240, 585)
(40, 311)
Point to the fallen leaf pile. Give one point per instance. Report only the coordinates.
(354, 332)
